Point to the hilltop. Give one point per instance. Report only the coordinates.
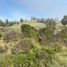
(36, 25)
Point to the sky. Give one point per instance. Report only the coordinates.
(16, 9)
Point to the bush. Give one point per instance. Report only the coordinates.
(12, 36)
(36, 57)
(64, 20)
(0, 35)
(43, 57)
(29, 31)
(64, 36)
(22, 46)
(46, 35)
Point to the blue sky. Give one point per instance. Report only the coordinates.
(16, 9)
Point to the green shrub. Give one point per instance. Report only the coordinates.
(46, 35)
(0, 35)
(38, 57)
(29, 31)
(64, 36)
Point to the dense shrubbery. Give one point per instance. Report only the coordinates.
(46, 34)
(33, 48)
(22, 46)
(64, 20)
(12, 36)
(29, 31)
(64, 35)
(36, 57)
(0, 35)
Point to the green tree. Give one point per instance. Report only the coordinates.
(64, 20)
(21, 20)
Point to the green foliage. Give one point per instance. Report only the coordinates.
(21, 20)
(35, 58)
(0, 35)
(46, 35)
(64, 20)
(64, 36)
(27, 49)
(57, 47)
(29, 31)
(48, 32)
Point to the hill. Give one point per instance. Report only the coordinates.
(45, 50)
(36, 25)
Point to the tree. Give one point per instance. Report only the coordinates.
(7, 21)
(21, 20)
(1, 23)
(43, 20)
(38, 20)
(64, 20)
(33, 18)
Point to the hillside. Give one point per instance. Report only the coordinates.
(21, 45)
(36, 25)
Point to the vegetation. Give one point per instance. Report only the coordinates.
(64, 20)
(29, 31)
(34, 43)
